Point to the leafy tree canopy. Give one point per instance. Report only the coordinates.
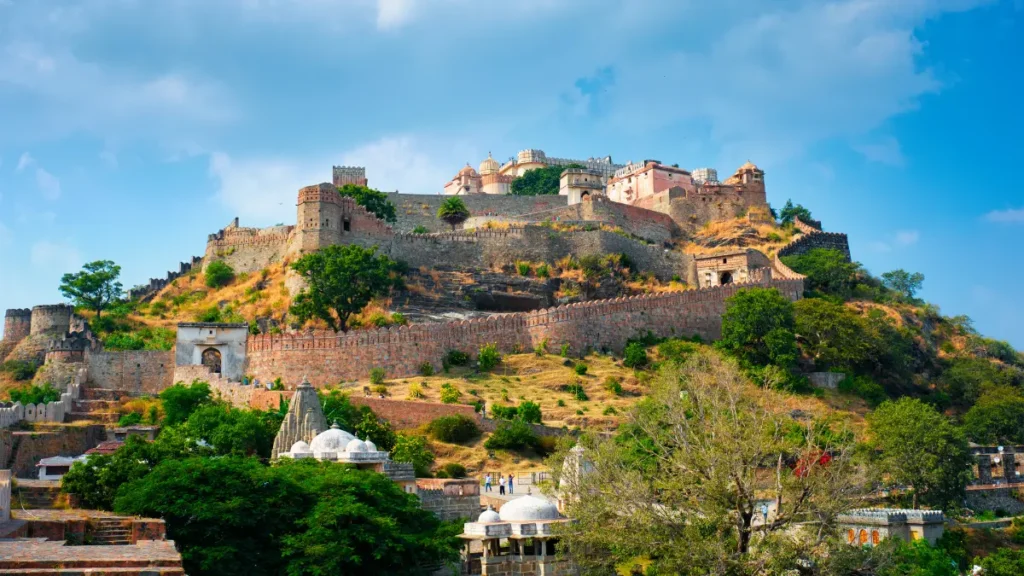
(341, 281)
(453, 211)
(539, 181)
(827, 271)
(218, 274)
(95, 287)
(180, 401)
(758, 326)
(374, 201)
(921, 450)
(906, 283)
(791, 211)
(413, 449)
(997, 417)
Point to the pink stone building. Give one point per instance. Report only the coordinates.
(643, 180)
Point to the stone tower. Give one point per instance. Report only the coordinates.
(349, 175)
(17, 324)
(51, 319)
(305, 419)
(320, 221)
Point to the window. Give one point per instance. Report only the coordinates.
(725, 260)
(347, 226)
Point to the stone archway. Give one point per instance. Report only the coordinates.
(863, 537)
(211, 359)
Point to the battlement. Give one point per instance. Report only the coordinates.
(154, 285)
(18, 313)
(342, 175)
(323, 192)
(811, 239)
(51, 318)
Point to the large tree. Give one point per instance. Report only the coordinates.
(827, 271)
(833, 336)
(758, 326)
(374, 201)
(790, 212)
(453, 211)
(997, 417)
(341, 281)
(906, 283)
(921, 451)
(684, 481)
(95, 287)
(540, 181)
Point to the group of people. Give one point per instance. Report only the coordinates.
(503, 481)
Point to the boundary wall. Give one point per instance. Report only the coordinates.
(326, 357)
(814, 238)
(49, 412)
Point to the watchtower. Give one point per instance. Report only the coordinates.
(17, 324)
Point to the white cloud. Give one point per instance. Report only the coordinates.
(24, 161)
(886, 151)
(394, 13)
(49, 185)
(907, 237)
(60, 257)
(262, 190)
(1010, 215)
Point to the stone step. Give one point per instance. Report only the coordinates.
(95, 405)
(104, 417)
(89, 393)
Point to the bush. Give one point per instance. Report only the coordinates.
(453, 470)
(610, 410)
(560, 403)
(576, 389)
(580, 369)
(420, 230)
(543, 271)
(564, 351)
(523, 268)
(426, 369)
(489, 357)
(35, 394)
(864, 387)
(635, 355)
(413, 449)
(529, 412)
(219, 274)
(211, 314)
(449, 393)
(456, 358)
(512, 435)
(381, 390)
(377, 376)
(613, 385)
(453, 429)
(19, 369)
(504, 412)
(180, 401)
(676, 350)
(130, 419)
(415, 391)
(542, 348)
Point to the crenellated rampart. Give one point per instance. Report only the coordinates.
(813, 238)
(326, 357)
(145, 291)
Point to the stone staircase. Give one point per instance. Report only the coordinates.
(94, 410)
(37, 494)
(110, 531)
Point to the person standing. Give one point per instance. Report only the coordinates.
(510, 477)
(501, 484)
(487, 482)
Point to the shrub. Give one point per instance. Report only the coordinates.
(130, 419)
(453, 470)
(504, 412)
(219, 274)
(426, 369)
(415, 391)
(420, 230)
(564, 351)
(211, 314)
(543, 271)
(512, 435)
(542, 348)
(865, 388)
(676, 350)
(35, 394)
(560, 403)
(381, 390)
(19, 369)
(576, 389)
(609, 411)
(377, 376)
(580, 369)
(523, 268)
(489, 357)
(449, 393)
(453, 429)
(529, 412)
(180, 401)
(399, 319)
(413, 449)
(613, 385)
(635, 355)
(456, 358)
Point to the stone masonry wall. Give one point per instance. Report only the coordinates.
(606, 324)
(17, 325)
(136, 372)
(247, 249)
(404, 414)
(415, 210)
(21, 451)
(813, 238)
(450, 499)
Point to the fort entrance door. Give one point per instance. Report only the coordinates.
(726, 278)
(211, 359)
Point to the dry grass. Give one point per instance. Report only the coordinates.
(722, 235)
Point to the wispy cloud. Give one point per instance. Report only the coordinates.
(886, 151)
(900, 239)
(1010, 215)
(907, 237)
(24, 161)
(55, 256)
(49, 185)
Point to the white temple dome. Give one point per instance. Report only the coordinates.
(489, 515)
(489, 166)
(355, 445)
(528, 509)
(332, 440)
(300, 447)
(370, 446)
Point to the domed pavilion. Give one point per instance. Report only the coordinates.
(518, 539)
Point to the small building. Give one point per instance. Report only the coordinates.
(997, 466)
(521, 539)
(218, 347)
(146, 432)
(580, 183)
(734, 267)
(55, 467)
(869, 526)
(107, 447)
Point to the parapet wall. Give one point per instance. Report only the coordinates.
(155, 285)
(51, 319)
(414, 210)
(326, 357)
(813, 238)
(404, 414)
(135, 372)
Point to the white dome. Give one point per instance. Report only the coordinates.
(332, 440)
(528, 509)
(370, 446)
(355, 445)
(489, 515)
(300, 447)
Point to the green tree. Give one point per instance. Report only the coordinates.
(827, 271)
(997, 417)
(95, 287)
(413, 449)
(374, 201)
(1002, 562)
(453, 211)
(758, 326)
(833, 336)
(791, 211)
(341, 281)
(964, 379)
(181, 401)
(362, 523)
(904, 282)
(96, 480)
(219, 274)
(920, 449)
(529, 412)
(230, 431)
(539, 181)
(34, 394)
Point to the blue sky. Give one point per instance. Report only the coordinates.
(131, 129)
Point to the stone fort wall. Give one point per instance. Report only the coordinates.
(415, 210)
(247, 249)
(138, 372)
(51, 319)
(327, 358)
(812, 238)
(17, 324)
